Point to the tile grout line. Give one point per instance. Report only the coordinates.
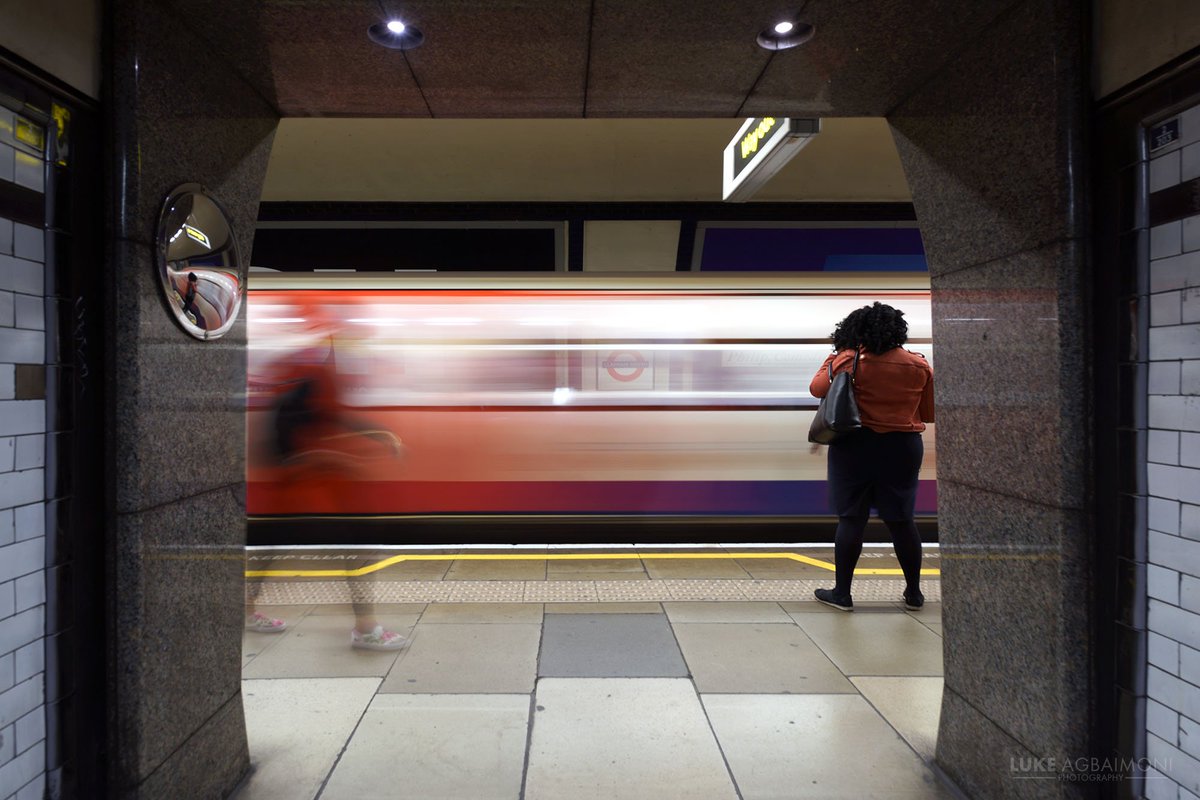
(350, 738)
(537, 666)
(737, 790)
(529, 730)
(928, 762)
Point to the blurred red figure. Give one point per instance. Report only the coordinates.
(321, 448)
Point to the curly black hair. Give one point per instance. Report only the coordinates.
(876, 328)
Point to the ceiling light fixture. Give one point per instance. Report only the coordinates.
(395, 35)
(785, 34)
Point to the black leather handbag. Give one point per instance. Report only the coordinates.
(837, 415)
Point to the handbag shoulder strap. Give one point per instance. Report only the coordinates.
(853, 370)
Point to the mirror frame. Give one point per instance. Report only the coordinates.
(231, 263)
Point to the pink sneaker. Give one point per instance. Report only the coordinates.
(378, 639)
(261, 623)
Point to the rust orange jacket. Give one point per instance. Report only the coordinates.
(894, 390)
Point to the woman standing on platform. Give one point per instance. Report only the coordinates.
(877, 466)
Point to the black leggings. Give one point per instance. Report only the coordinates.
(847, 547)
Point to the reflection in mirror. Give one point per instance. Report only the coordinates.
(203, 277)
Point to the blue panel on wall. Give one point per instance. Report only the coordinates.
(876, 263)
(813, 250)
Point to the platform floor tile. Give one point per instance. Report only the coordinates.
(517, 570)
(463, 613)
(609, 646)
(592, 565)
(388, 610)
(811, 606)
(725, 612)
(910, 705)
(255, 643)
(489, 658)
(415, 571)
(875, 644)
(318, 646)
(826, 747)
(296, 729)
(603, 608)
(435, 746)
(623, 739)
(757, 658)
(930, 616)
(699, 569)
(931, 613)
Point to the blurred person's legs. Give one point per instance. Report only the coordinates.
(325, 455)
(256, 621)
(369, 633)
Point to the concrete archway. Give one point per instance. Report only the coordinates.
(992, 146)
(993, 151)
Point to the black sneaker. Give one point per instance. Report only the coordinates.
(914, 601)
(840, 602)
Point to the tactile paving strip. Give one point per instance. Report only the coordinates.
(562, 591)
(285, 593)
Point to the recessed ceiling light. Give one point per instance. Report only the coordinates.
(395, 35)
(785, 34)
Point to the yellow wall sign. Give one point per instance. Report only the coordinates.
(30, 133)
(62, 123)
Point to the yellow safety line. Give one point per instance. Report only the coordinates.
(387, 562)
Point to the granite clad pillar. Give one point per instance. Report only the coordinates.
(992, 149)
(177, 113)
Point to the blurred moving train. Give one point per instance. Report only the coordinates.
(391, 400)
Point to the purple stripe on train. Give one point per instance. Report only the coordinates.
(726, 498)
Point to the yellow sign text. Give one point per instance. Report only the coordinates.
(751, 140)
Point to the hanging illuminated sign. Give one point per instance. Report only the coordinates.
(760, 149)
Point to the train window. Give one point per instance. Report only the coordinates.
(557, 348)
(452, 248)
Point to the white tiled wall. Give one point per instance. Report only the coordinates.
(22, 492)
(1173, 480)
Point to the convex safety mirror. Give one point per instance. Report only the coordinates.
(203, 276)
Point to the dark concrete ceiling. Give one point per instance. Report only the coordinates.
(588, 58)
